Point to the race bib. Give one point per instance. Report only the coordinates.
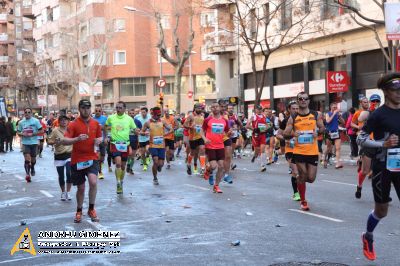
(28, 130)
(305, 139)
(334, 135)
(235, 134)
(121, 147)
(393, 160)
(84, 165)
(217, 128)
(40, 137)
(158, 140)
(262, 127)
(197, 129)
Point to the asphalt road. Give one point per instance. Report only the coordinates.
(181, 222)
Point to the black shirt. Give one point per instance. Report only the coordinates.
(383, 122)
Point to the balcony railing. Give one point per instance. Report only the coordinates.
(3, 60)
(3, 17)
(221, 41)
(3, 37)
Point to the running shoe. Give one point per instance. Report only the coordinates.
(155, 182)
(216, 189)
(263, 168)
(93, 216)
(68, 197)
(148, 161)
(233, 167)
(228, 179)
(253, 159)
(211, 180)
(368, 247)
(188, 169)
(144, 167)
(168, 166)
(28, 178)
(119, 188)
(296, 196)
(304, 206)
(206, 175)
(63, 196)
(358, 192)
(33, 172)
(78, 217)
(195, 170)
(101, 176)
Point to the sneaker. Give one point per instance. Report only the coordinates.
(144, 167)
(28, 178)
(296, 196)
(304, 206)
(119, 188)
(263, 168)
(228, 179)
(93, 216)
(148, 161)
(206, 175)
(63, 196)
(168, 166)
(216, 189)
(155, 182)
(358, 192)
(101, 176)
(233, 167)
(68, 197)
(368, 247)
(253, 159)
(195, 171)
(33, 172)
(188, 169)
(109, 169)
(211, 180)
(78, 217)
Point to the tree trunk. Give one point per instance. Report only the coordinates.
(178, 88)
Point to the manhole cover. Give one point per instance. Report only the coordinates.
(319, 263)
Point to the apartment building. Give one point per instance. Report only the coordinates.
(302, 66)
(117, 47)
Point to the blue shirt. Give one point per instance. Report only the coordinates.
(31, 125)
(333, 126)
(133, 136)
(142, 120)
(102, 121)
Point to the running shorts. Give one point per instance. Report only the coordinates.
(30, 149)
(196, 143)
(369, 152)
(133, 142)
(307, 159)
(170, 144)
(115, 153)
(228, 143)
(157, 152)
(259, 140)
(144, 144)
(289, 156)
(78, 176)
(382, 180)
(234, 140)
(215, 154)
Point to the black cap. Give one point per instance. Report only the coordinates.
(62, 117)
(85, 103)
(259, 107)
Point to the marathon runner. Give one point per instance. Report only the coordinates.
(102, 147)
(84, 133)
(179, 135)
(385, 127)
(227, 142)
(156, 129)
(304, 127)
(41, 136)
(133, 140)
(333, 119)
(272, 124)
(28, 130)
(144, 117)
(234, 124)
(169, 138)
(120, 125)
(258, 125)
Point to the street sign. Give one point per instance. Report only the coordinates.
(41, 100)
(392, 21)
(161, 83)
(190, 94)
(337, 81)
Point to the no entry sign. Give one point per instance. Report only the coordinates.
(161, 83)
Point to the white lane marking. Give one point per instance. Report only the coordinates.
(318, 216)
(27, 258)
(340, 183)
(13, 202)
(47, 194)
(98, 226)
(19, 177)
(198, 187)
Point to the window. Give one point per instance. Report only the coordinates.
(204, 84)
(286, 15)
(339, 63)
(133, 87)
(56, 40)
(119, 25)
(289, 74)
(49, 41)
(97, 57)
(318, 69)
(370, 62)
(27, 3)
(207, 19)
(306, 6)
(253, 23)
(27, 25)
(204, 55)
(39, 21)
(56, 13)
(108, 90)
(169, 86)
(231, 68)
(85, 60)
(40, 45)
(44, 16)
(83, 32)
(58, 64)
(165, 22)
(119, 57)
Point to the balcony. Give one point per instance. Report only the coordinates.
(216, 3)
(3, 80)
(4, 60)
(3, 38)
(27, 34)
(3, 17)
(10, 18)
(27, 12)
(219, 42)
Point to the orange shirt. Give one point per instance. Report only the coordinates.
(83, 150)
(305, 125)
(195, 133)
(171, 122)
(156, 134)
(56, 123)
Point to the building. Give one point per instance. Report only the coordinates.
(341, 45)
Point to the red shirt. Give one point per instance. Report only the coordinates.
(43, 127)
(83, 150)
(215, 129)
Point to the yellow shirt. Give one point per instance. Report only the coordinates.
(156, 134)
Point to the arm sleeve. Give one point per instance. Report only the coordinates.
(364, 139)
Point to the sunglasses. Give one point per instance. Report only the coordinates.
(302, 99)
(85, 107)
(375, 101)
(119, 107)
(27, 112)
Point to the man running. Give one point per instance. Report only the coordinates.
(234, 124)
(258, 125)
(133, 140)
(304, 127)
(41, 136)
(169, 138)
(84, 133)
(102, 147)
(385, 127)
(120, 126)
(215, 128)
(144, 117)
(333, 119)
(156, 129)
(28, 130)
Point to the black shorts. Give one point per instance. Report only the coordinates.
(369, 152)
(215, 154)
(78, 176)
(307, 159)
(289, 156)
(170, 144)
(228, 143)
(382, 180)
(180, 138)
(102, 149)
(196, 143)
(133, 142)
(144, 144)
(234, 140)
(30, 149)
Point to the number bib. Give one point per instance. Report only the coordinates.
(305, 139)
(40, 137)
(197, 128)
(84, 165)
(235, 134)
(262, 127)
(217, 128)
(334, 135)
(158, 140)
(121, 147)
(393, 160)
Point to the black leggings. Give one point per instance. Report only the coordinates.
(61, 177)
(353, 145)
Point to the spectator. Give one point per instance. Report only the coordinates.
(3, 133)
(10, 133)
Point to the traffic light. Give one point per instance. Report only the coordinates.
(161, 99)
(202, 99)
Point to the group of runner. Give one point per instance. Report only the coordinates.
(214, 138)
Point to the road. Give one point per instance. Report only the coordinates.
(181, 222)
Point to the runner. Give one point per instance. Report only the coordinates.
(156, 129)
(102, 147)
(259, 128)
(41, 136)
(62, 157)
(169, 138)
(133, 140)
(144, 117)
(385, 127)
(293, 109)
(84, 133)
(304, 127)
(333, 119)
(227, 142)
(179, 135)
(234, 124)
(272, 125)
(215, 128)
(186, 136)
(120, 125)
(194, 123)
(28, 130)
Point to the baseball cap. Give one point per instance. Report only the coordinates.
(84, 103)
(258, 107)
(375, 97)
(171, 112)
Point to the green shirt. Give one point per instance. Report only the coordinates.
(121, 126)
